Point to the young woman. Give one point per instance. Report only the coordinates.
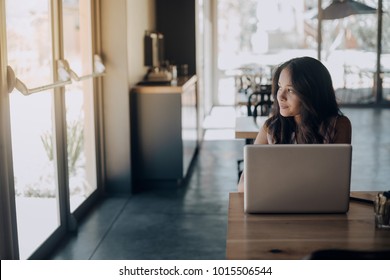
(305, 109)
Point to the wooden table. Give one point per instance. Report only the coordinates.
(247, 128)
(294, 236)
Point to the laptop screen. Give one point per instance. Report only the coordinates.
(297, 178)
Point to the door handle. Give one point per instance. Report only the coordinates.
(99, 69)
(14, 82)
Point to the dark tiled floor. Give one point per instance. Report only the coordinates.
(190, 222)
(176, 223)
(371, 148)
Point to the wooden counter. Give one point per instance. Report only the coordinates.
(181, 85)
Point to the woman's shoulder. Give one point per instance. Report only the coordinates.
(343, 130)
(343, 121)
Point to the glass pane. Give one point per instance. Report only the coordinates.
(30, 55)
(385, 58)
(349, 52)
(256, 35)
(79, 101)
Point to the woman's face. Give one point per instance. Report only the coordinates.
(289, 103)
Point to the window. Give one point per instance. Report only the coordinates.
(52, 113)
(255, 35)
(79, 100)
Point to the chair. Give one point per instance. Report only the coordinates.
(260, 99)
(262, 108)
(259, 104)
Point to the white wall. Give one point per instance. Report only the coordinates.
(123, 25)
(140, 17)
(204, 56)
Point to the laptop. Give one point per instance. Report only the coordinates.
(297, 178)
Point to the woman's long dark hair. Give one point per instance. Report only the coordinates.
(313, 85)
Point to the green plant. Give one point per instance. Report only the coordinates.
(47, 141)
(75, 144)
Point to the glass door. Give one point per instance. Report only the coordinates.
(79, 98)
(29, 48)
(48, 51)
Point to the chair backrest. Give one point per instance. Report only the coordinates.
(260, 102)
(262, 108)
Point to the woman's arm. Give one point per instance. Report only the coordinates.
(261, 138)
(240, 186)
(343, 131)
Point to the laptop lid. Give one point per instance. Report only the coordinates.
(297, 178)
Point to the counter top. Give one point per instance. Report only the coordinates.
(179, 86)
